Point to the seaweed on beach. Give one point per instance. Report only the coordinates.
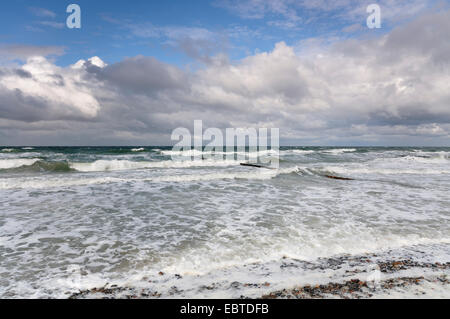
(352, 288)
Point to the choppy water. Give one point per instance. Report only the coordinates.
(77, 218)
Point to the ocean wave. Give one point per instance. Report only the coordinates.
(299, 152)
(9, 150)
(39, 183)
(414, 160)
(37, 164)
(428, 157)
(119, 165)
(384, 171)
(338, 151)
(17, 162)
(34, 165)
(141, 149)
(41, 166)
(198, 153)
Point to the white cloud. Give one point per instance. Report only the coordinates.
(59, 93)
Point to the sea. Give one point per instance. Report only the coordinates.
(186, 226)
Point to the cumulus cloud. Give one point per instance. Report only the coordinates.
(39, 90)
(393, 88)
(140, 74)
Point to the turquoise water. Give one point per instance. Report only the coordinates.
(80, 217)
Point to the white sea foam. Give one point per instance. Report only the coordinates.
(141, 149)
(8, 150)
(300, 151)
(187, 153)
(117, 220)
(429, 158)
(338, 151)
(39, 183)
(118, 165)
(16, 162)
(349, 171)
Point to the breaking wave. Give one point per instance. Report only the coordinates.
(9, 150)
(338, 151)
(17, 162)
(19, 183)
(119, 165)
(384, 171)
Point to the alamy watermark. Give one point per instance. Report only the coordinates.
(373, 278)
(247, 145)
(74, 19)
(374, 19)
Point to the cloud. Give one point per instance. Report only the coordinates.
(170, 32)
(393, 88)
(44, 13)
(23, 51)
(39, 90)
(140, 75)
(293, 14)
(41, 12)
(353, 28)
(52, 24)
(259, 9)
(197, 43)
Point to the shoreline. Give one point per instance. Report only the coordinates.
(348, 278)
(357, 289)
(353, 289)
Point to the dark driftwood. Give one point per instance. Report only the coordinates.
(251, 165)
(255, 165)
(339, 178)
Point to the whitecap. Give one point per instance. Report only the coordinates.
(119, 165)
(338, 151)
(198, 153)
(17, 162)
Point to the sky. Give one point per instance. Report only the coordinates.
(136, 70)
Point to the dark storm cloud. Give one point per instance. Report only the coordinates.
(18, 106)
(140, 75)
(427, 36)
(25, 108)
